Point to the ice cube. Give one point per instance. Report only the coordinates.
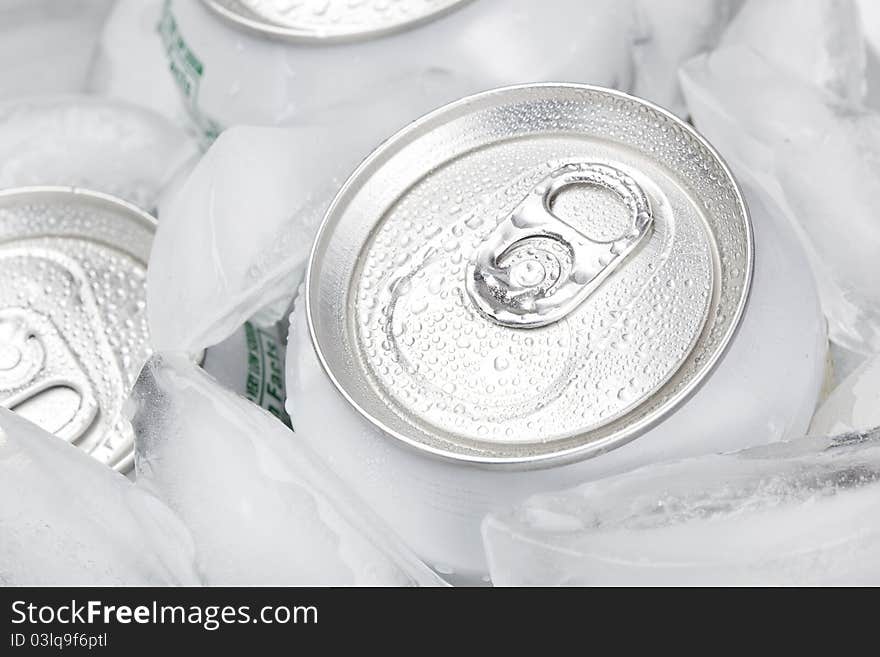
(869, 11)
(131, 64)
(854, 405)
(832, 182)
(83, 141)
(799, 513)
(46, 46)
(842, 363)
(261, 507)
(68, 520)
(817, 158)
(504, 42)
(235, 238)
(819, 41)
(667, 33)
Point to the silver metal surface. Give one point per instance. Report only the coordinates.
(73, 330)
(397, 330)
(330, 20)
(534, 268)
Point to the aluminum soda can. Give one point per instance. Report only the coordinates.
(73, 328)
(372, 66)
(130, 63)
(534, 287)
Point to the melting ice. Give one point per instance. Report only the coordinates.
(261, 507)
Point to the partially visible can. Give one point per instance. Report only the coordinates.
(535, 287)
(375, 65)
(130, 63)
(73, 329)
(250, 362)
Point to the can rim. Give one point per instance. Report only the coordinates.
(577, 452)
(147, 219)
(303, 36)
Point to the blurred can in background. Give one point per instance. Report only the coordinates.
(535, 287)
(375, 65)
(250, 362)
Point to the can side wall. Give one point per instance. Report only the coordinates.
(385, 82)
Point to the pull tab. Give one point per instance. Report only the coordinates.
(35, 362)
(535, 268)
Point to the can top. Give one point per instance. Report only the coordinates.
(73, 330)
(531, 275)
(330, 20)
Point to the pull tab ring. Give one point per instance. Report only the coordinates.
(535, 268)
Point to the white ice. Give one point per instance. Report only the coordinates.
(854, 405)
(67, 520)
(869, 11)
(261, 507)
(799, 513)
(245, 219)
(90, 142)
(819, 41)
(131, 64)
(817, 154)
(842, 363)
(667, 33)
(47, 46)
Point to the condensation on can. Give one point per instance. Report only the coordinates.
(433, 352)
(73, 331)
(530, 276)
(73, 328)
(330, 20)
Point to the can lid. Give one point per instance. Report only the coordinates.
(73, 330)
(330, 20)
(531, 275)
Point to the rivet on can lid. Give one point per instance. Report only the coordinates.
(330, 20)
(600, 223)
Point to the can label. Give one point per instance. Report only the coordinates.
(265, 373)
(187, 69)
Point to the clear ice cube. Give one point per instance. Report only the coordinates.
(667, 33)
(261, 507)
(235, 238)
(799, 513)
(819, 41)
(817, 157)
(67, 520)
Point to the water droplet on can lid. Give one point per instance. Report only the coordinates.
(609, 362)
(69, 355)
